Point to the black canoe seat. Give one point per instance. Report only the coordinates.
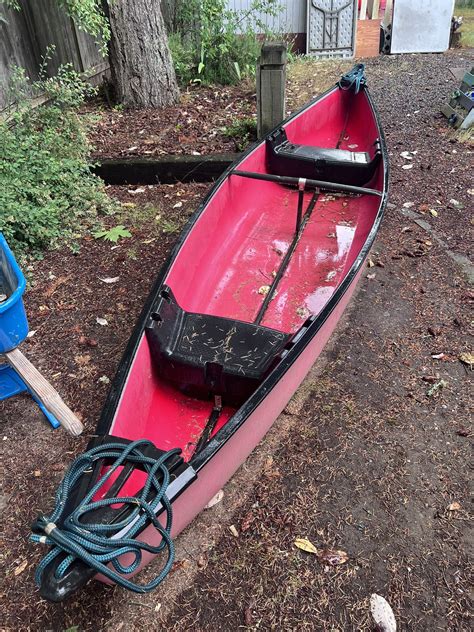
(209, 355)
(331, 165)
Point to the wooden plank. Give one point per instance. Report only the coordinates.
(448, 112)
(368, 38)
(44, 391)
(363, 10)
(164, 169)
(373, 8)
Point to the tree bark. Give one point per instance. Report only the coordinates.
(140, 58)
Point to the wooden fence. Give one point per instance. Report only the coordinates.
(25, 36)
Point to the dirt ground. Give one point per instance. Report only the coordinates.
(371, 457)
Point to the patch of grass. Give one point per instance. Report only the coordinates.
(467, 28)
(243, 131)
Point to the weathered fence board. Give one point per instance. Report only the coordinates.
(26, 35)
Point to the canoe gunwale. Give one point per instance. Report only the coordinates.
(308, 332)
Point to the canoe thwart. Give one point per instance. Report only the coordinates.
(210, 355)
(310, 183)
(44, 392)
(305, 161)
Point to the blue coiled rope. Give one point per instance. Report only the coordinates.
(93, 544)
(354, 79)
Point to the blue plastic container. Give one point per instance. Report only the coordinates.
(13, 322)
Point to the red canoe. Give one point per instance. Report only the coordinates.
(252, 291)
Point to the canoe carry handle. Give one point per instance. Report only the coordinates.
(44, 391)
(313, 184)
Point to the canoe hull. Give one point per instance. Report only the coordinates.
(227, 460)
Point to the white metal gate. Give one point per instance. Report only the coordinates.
(331, 27)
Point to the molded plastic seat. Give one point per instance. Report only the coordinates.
(209, 355)
(331, 165)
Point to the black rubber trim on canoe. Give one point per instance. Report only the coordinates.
(239, 417)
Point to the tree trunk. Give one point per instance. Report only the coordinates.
(140, 59)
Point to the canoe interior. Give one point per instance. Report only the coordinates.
(236, 246)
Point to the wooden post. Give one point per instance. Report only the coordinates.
(373, 8)
(43, 390)
(271, 86)
(363, 10)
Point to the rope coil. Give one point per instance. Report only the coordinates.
(98, 545)
(354, 79)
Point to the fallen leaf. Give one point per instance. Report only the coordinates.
(382, 613)
(136, 191)
(202, 561)
(215, 499)
(331, 275)
(31, 333)
(55, 284)
(128, 204)
(305, 545)
(178, 205)
(3, 298)
(437, 356)
(19, 569)
(370, 263)
(82, 360)
(467, 358)
(371, 276)
(436, 387)
(264, 289)
(234, 531)
(470, 191)
(462, 432)
(333, 557)
(101, 321)
(408, 204)
(433, 212)
(454, 506)
(104, 379)
(407, 166)
(407, 155)
(109, 279)
(88, 342)
(37, 473)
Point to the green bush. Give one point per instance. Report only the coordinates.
(211, 43)
(243, 132)
(47, 191)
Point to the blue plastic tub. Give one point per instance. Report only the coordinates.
(13, 323)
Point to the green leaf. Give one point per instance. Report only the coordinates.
(114, 234)
(237, 70)
(200, 67)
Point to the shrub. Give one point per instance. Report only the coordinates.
(211, 43)
(243, 131)
(47, 191)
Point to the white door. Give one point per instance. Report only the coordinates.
(421, 26)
